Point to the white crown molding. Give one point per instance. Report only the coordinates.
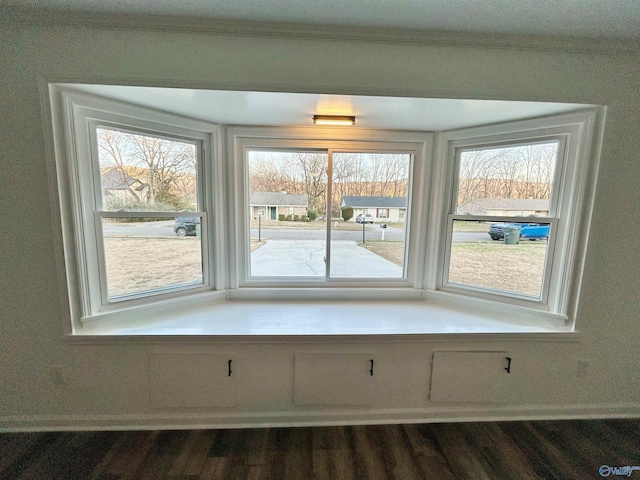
(56, 17)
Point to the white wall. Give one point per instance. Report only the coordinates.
(107, 383)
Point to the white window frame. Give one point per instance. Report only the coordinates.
(80, 195)
(569, 213)
(242, 139)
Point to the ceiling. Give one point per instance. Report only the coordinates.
(584, 18)
(296, 109)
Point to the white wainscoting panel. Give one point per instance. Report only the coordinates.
(335, 379)
(192, 380)
(465, 377)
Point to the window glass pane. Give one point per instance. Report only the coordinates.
(146, 255)
(505, 257)
(146, 173)
(509, 181)
(369, 191)
(287, 213)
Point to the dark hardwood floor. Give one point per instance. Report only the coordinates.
(492, 450)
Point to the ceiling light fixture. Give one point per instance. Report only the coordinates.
(334, 120)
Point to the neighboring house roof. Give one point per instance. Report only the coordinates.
(117, 180)
(279, 199)
(509, 203)
(374, 202)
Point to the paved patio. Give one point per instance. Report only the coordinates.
(305, 258)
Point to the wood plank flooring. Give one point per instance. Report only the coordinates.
(492, 450)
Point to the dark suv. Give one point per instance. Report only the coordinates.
(184, 226)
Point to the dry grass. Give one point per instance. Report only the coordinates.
(392, 251)
(462, 226)
(493, 265)
(255, 244)
(136, 264)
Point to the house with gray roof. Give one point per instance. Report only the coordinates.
(117, 183)
(270, 205)
(384, 209)
(505, 206)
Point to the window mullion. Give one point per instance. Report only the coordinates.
(327, 261)
(101, 259)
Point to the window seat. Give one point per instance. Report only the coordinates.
(331, 320)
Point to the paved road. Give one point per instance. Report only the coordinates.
(152, 229)
(372, 232)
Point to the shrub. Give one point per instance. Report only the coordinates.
(281, 217)
(295, 218)
(347, 213)
(128, 205)
(312, 215)
(304, 218)
(168, 198)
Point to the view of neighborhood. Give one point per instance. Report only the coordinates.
(294, 203)
(145, 173)
(289, 214)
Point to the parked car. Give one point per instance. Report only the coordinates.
(184, 226)
(364, 218)
(528, 231)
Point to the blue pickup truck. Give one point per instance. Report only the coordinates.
(528, 231)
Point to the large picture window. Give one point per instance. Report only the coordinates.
(318, 225)
(312, 206)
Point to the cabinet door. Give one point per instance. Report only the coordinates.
(335, 379)
(479, 377)
(192, 380)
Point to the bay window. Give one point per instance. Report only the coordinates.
(158, 208)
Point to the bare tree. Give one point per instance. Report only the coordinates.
(111, 147)
(163, 160)
(265, 175)
(511, 172)
(313, 169)
(352, 174)
(164, 166)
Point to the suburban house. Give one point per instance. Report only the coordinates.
(272, 204)
(505, 206)
(388, 209)
(121, 185)
(242, 351)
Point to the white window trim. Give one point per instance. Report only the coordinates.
(574, 181)
(241, 139)
(79, 114)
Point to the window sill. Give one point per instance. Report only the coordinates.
(342, 321)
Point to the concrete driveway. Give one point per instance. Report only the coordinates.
(305, 258)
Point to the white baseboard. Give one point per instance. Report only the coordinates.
(173, 421)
